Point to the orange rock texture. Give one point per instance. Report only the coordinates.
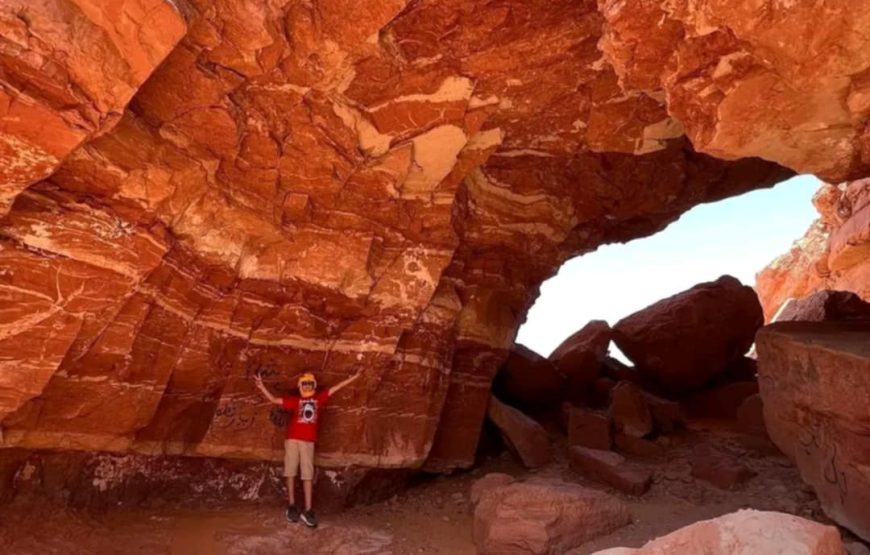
(833, 254)
(376, 184)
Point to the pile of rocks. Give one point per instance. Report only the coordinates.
(690, 367)
(688, 353)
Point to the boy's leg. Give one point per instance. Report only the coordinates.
(306, 461)
(291, 466)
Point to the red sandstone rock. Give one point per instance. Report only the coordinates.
(528, 379)
(683, 341)
(103, 481)
(719, 402)
(817, 262)
(747, 532)
(667, 415)
(824, 306)
(381, 187)
(629, 410)
(599, 394)
(610, 468)
(729, 75)
(815, 382)
(491, 481)
(719, 469)
(525, 437)
(542, 517)
(588, 429)
(68, 69)
(618, 371)
(579, 357)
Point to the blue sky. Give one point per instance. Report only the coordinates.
(737, 236)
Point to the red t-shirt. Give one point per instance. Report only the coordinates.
(306, 412)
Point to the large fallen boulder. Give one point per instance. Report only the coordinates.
(542, 517)
(746, 532)
(683, 341)
(814, 379)
(528, 379)
(525, 437)
(579, 358)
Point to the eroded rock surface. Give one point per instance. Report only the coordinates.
(332, 186)
(815, 381)
(833, 254)
(543, 517)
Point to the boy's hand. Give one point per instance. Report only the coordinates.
(258, 380)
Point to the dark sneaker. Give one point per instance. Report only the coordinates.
(309, 519)
(292, 513)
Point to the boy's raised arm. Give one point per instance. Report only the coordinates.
(335, 389)
(258, 381)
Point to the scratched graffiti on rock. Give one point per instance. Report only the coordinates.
(816, 441)
(234, 418)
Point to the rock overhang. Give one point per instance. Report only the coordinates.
(296, 189)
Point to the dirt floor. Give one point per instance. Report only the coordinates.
(433, 517)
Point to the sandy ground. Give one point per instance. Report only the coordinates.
(434, 517)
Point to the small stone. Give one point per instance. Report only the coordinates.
(610, 468)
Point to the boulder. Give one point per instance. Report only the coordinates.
(610, 468)
(825, 305)
(618, 371)
(815, 385)
(525, 437)
(718, 468)
(588, 429)
(720, 402)
(629, 410)
(745, 532)
(579, 357)
(528, 379)
(718, 320)
(541, 517)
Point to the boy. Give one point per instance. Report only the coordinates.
(301, 436)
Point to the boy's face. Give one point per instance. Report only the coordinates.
(307, 388)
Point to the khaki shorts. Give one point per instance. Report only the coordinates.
(299, 455)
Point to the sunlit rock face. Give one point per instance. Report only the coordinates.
(834, 253)
(784, 80)
(338, 185)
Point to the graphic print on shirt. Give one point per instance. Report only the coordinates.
(307, 411)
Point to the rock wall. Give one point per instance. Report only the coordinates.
(813, 378)
(379, 184)
(834, 253)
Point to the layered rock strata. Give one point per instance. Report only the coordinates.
(330, 186)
